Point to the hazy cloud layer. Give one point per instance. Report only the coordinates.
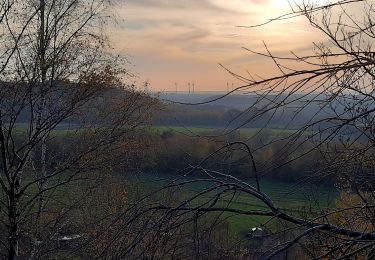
(184, 40)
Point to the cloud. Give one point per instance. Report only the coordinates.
(190, 37)
(181, 4)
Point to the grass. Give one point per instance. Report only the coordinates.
(292, 199)
(61, 130)
(242, 132)
(286, 196)
(183, 130)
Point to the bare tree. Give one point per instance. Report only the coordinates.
(337, 79)
(64, 111)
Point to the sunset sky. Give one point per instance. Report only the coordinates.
(171, 42)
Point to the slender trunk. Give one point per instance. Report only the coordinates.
(13, 238)
(40, 113)
(41, 200)
(43, 173)
(43, 72)
(13, 199)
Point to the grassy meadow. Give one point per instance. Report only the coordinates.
(197, 131)
(293, 198)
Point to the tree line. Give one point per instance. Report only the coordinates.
(59, 197)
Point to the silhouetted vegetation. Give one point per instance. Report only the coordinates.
(93, 168)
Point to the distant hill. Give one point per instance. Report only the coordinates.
(184, 97)
(285, 110)
(236, 101)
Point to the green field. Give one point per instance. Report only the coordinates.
(207, 131)
(243, 133)
(60, 130)
(291, 198)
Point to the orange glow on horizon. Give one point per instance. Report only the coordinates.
(171, 43)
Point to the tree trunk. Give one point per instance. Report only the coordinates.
(13, 238)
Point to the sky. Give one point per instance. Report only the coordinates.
(171, 43)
